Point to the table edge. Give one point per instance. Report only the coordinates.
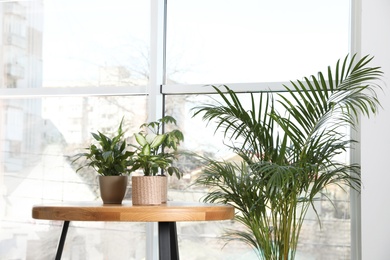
(170, 212)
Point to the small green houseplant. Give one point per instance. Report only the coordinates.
(154, 154)
(288, 158)
(110, 159)
(156, 150)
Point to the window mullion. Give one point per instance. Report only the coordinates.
(155, 101)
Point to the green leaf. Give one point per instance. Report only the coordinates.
(140, 139)
(146, 149)
(157, 141)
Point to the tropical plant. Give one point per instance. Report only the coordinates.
(156, 150)
(288, 158)
(109, 157)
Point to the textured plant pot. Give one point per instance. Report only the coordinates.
(146, 190)
(113, 188)
(164, 188)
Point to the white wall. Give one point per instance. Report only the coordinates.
(375, 138)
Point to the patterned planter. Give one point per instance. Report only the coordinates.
(149, 190)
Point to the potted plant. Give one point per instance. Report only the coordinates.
(288, 158)
(154, 154)
(109, 157)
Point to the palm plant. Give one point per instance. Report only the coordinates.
(288, 158)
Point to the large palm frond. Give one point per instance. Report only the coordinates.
(321, 107)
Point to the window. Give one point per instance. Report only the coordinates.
(253, 46)
(73, 67)
(68, 64)
(95, 43)
(253, 40)
(36, 168)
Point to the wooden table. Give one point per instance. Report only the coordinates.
(166, 215)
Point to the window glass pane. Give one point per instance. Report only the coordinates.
(222, 41)
(55, 43)
(332, 239)
(37, 139)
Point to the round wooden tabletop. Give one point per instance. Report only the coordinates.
(169, 212)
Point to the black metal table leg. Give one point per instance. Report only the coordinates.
(167, 240)
(62, 240)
